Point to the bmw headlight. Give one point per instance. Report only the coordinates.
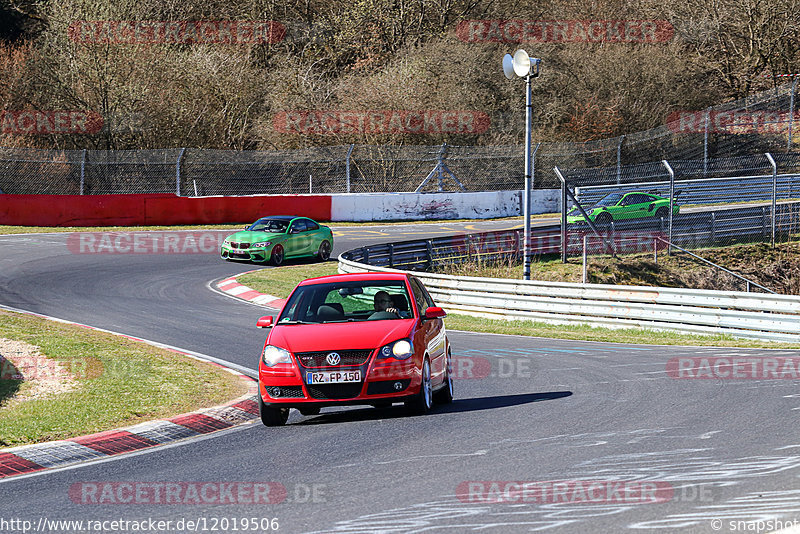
(261, 245)
(401, 349)
(273, 355)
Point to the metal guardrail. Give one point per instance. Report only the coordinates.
(739, 314)
(689, 230)
(703, 191)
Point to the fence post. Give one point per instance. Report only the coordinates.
(391, 254)
(347, 166)
(791, 115)
(705, 144)
(672, 198)
(619, 158)
(83, 169)
(774, 192)
(178, 172)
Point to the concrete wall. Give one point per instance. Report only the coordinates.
(416, 206)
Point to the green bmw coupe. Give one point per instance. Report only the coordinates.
(274, 239)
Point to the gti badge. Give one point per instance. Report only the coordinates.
(333, 358)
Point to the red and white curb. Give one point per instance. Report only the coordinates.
(231, 287)
(31, 458)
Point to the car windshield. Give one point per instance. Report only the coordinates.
(273, 226)
(351, 301)
(609, 200)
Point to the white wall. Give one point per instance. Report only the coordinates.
(421, 206)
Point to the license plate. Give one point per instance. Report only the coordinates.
(333, 377)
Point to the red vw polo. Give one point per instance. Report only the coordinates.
(367, 338)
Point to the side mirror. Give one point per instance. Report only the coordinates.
(264, 322)
(434, 312)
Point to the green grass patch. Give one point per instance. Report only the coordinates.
(280, 282)
(121, 382)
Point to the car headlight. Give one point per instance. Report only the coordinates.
(272, 355)
(401, 349)
(261, 245)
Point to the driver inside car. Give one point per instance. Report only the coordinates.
(383, 302)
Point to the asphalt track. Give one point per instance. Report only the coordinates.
(526, 409)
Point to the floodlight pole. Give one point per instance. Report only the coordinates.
(526, 256)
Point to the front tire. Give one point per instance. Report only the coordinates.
(604, 219)
(422, 402)
(277, 256)
(445, 395)
(324, 251)
(272, 415)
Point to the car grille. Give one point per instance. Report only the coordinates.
(334, 391)
(239, 245)
(350, 358)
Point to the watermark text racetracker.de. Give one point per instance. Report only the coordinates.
(194, 242)
(202, 493)
(340, 122)
(565, 491)
(565, 31)
(734, 367)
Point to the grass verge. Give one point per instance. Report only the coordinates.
(120, 382)
(280, 282)
(776, 268)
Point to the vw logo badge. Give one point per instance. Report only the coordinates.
(333, 358)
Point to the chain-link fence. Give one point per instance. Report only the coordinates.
(679, 206)
(716, 137)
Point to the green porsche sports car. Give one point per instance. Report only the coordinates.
(276, 238)
(624, 206)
